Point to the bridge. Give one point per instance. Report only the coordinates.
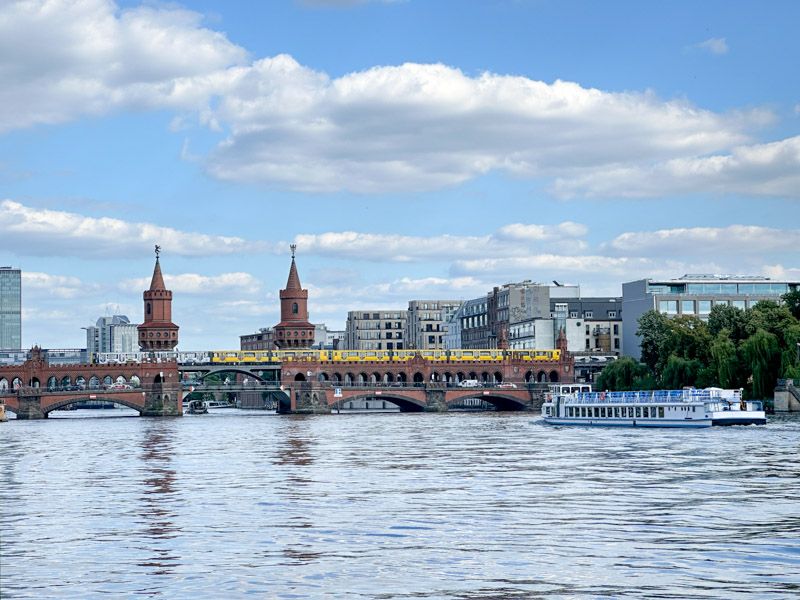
(154, 385)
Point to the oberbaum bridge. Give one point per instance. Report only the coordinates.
(156, 380)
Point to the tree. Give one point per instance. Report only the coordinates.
(725, 361)
(625, 374)
(734, 320)
(762, 353)
(792, 300)
(680, 372)
(653, 331)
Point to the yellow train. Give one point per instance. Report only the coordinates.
(361, 356)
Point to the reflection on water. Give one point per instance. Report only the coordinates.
(486, 506)
(157, 500)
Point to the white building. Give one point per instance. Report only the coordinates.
(376, 330)
(428, 322)
(112, 334)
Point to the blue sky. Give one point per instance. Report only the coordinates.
(412, 149)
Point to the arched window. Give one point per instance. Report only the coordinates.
(148, 308)
(295, 308)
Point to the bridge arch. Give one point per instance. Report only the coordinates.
(230, 369)
(554, 376)
(73, 400)
(52, 382)
(94, 382)
(3, 383)
(322, 377)
(336, 378)
(300, 377)
(541, 377)
(35, 382)
(497, 377)
(418, 377)
(107, 380)
(500, 401)
(404, 403)
(66, 381)
(402, 377)
(16, 383)
(529, 376)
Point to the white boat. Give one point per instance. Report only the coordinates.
(689, 407)
(215, 405)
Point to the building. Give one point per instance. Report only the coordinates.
(112, 334)
(294, 330)
(328, 339)
(427, 322)
(487, 322)
(693, 295)
(10, 308)
(264, 339)
(376, 330)
(157, 332)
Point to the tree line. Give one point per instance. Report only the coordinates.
(735, 348)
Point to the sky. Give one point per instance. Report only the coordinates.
(412, 149)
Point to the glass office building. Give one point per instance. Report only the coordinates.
(10, 308)
(693, 295)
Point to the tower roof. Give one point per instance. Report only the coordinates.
(293, 283)
(157, 283)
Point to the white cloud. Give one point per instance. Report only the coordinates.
(61, 59)
(59, 286)
(720, 241)
(58, 233)
(716, 46)
(512, 239)
(771, 169)
(419, 126)
(193, 283)
(781, 272)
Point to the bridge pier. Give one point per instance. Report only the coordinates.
(435, 400)
(163, 401)
(303, 399)
(30, 407)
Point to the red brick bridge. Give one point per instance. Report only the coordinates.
(35, 388)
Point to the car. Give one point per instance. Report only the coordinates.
(507, 384)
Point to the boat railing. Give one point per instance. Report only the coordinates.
(648, 397)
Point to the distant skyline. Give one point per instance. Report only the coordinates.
(411, 149)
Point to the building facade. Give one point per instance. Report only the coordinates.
(157, 332)
(10, 308)
(112, 334)
(262, 340)
(428, 322)
(376, 330)
(693, 295)
(294, 329)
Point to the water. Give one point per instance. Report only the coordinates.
(474, 506)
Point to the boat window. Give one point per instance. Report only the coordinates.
(638, 411)
(646, 412)
(660, 412)
(583, 411)
(693, 408)
(596, 412)
(603, 411)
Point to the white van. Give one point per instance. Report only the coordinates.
(469, 383)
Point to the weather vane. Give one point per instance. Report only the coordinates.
(293, 247)
(158, 251)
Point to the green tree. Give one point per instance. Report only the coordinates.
(725, 361)
(625, 374)
(680, 372)
(762, 353)
(734, 320)
(653, 330)
(792, 300)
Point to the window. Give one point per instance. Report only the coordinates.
(616, 329)
(148, 308)
(660, 412)
(294, 308)
(669, 307)
(573, 314)
(687, 307)
(612, 314)
(703, 307)
(646, 412)
(588, 314)
(603, 411)
(616, 412)
(638, 412)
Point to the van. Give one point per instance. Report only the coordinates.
(469, 383)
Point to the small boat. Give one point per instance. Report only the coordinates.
(214, 405)
(688, 407)
(197, 407)
(3, 415)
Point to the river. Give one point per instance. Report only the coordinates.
(457, 505)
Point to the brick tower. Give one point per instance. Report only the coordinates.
(157, 332)
(294, 330)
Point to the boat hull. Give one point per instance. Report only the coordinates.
(739, 417)
(669, 423)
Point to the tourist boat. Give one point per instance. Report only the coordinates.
(214, 405)
(688, 407)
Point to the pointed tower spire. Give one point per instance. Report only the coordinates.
(293, 283)
(157, 332)
(294, 330)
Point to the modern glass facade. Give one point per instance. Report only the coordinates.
(10, 308)
(693, 295)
